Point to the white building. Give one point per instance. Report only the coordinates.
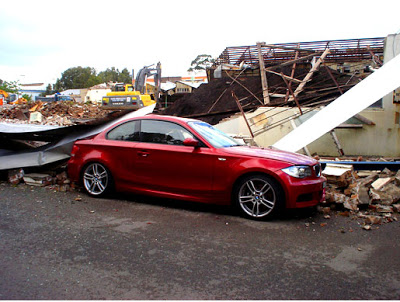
(32, 90)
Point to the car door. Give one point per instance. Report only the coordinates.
(164, 164)
(120, 147)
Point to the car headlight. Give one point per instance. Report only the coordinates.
(298, 171)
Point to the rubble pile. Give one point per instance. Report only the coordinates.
(213, 102)
(62, 113)
(373, 196)
(54, 180)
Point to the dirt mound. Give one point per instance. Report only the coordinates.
(214, 101)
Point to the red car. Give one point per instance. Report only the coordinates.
(189, 159)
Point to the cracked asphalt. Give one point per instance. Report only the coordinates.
(68, 245)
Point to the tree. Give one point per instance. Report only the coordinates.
(11, 87)
(114, 75)
(49, 90)
(202, 62)
(109, 75)
(125, 76)
(27, 97)
(77, 77)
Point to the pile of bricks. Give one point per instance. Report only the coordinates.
(53, 180)
(371, 195)
(64, 113)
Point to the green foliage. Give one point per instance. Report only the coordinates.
(77, 78)
(27, 97)
(86, 77)
(49, 90)
(114, 75)
(202, 62)
(11, 87)
(125, 76)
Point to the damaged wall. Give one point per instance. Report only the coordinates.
(378, 139)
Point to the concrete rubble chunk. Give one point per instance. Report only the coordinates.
(397, 178)
(384, 209)
(37, 179)
(361, 188)
(35, 117)
(334, 197)
(388, 195)
(337, 174)
(15, 176)
(373, 219)
(351, 204)
(381, 182)
(396, 207)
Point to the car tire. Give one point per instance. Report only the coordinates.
(97, 179)
(258, 197)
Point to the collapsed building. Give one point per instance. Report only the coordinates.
(260, 93)
(265, 91)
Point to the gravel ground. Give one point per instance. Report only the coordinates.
(67, 245)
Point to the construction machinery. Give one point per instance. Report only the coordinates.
(3, 97)
(8, 98)
(127, 96)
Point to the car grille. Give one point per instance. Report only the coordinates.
(317, 169)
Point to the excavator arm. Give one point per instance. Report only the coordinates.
(146, 72)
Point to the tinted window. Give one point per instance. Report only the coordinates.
(126, 132)
(161, 132)
(214, 136)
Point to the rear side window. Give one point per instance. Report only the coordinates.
(162, 132)
(129, 131)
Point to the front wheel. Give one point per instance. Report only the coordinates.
(97, 179)
(258, 196)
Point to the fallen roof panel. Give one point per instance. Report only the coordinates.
(377, 85)
(61, 149)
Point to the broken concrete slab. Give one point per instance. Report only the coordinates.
(380, 183)
(38, 179)
(338, 175)
(387, 195)
(35, 117)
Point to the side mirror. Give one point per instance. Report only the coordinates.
(191, 142)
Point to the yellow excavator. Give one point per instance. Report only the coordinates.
(3, 97)
(127, 96)
(10, 98)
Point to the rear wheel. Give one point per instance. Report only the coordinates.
(258, 196)
(97, 179)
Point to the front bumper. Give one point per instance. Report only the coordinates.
(302, 193)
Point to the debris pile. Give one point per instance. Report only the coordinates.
(214, 101)
(54, 180)
(63, 113)
(373, 196)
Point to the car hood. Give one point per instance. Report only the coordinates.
(289, 157)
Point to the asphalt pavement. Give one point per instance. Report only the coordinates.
(67, 245)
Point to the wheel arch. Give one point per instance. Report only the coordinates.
(92, 161)
(269, 174)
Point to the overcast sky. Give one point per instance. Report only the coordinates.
(40, 39)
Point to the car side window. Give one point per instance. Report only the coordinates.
(129, 131)
(162, 132)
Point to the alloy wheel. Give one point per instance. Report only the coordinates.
(96, 179)
(257, 197)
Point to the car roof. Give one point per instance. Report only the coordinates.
(162, 117)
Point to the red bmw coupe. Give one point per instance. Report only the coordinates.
(191, 160)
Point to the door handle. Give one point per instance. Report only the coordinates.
(143, 153)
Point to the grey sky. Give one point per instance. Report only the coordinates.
(40, 39)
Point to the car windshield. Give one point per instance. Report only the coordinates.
(215, 137)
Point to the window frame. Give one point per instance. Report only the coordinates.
(201, 143)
